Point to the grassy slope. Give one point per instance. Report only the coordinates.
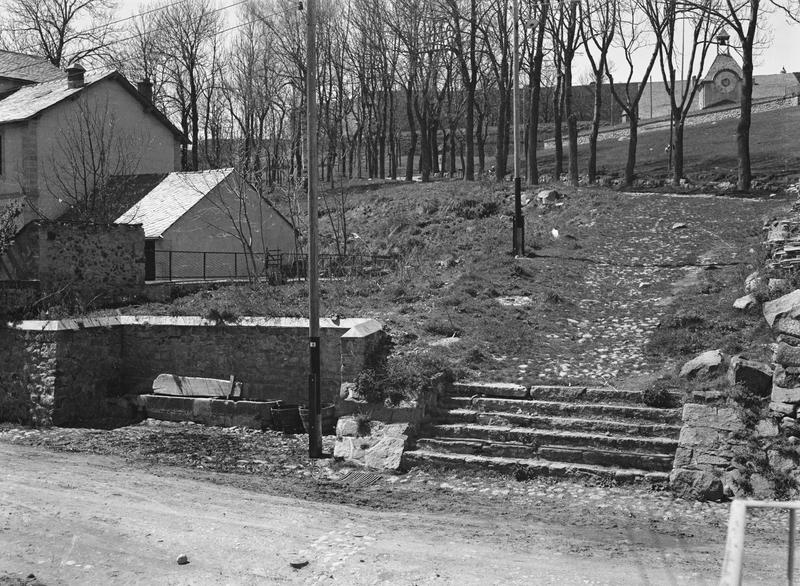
(595, 295)
(710, 150)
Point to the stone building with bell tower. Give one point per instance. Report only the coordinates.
(722, 84)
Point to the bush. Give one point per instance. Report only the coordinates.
(658, 397)
(471, 209)
(404, 378)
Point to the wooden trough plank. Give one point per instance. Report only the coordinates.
(192, 386)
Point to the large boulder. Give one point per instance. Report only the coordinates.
(705, 365)
(786, 306)
(548, 196)
(701, 485)
(756, 377)
(745, 302)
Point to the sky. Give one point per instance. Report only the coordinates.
(783, 50)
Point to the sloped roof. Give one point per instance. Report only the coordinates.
(27, 67)
(723, 61)
(175, 195)
(32, 100)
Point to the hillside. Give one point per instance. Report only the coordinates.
(710, 153)
(619, 297)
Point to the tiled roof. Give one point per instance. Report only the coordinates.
(27, 67)
(170, 199)
(723, 61)
(29, 100)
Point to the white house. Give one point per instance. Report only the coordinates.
(208, 224)
(46, 117)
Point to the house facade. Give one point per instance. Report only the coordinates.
(49, 117)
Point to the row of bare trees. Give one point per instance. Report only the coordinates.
(419, 84)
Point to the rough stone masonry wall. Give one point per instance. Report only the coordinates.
(65, 372)
(97, 260)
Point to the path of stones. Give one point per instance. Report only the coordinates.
(630, 272)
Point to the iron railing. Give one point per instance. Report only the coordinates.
(180, 265)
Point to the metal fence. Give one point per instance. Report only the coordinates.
(182, 265)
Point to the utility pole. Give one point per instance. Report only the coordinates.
(518, 236)
(314, 400)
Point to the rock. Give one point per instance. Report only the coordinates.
(699, 485)
(733, 483)
(783, 408)
(678, 225)
(756, 377)
(753, 282)
(347, 391)
(785, 395)
(705, 365)
(182, 560)
(787, 376)
(775, 286)
(786, 306)
(745, 302)
(387, 453)
(351, 449)
(761, 487)
(548, 196)
(787, 326)
(766, 428)
(789, 426)
(347, 427)
(298, 563)
(724, 418)
(786, 355)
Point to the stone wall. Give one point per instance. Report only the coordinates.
(65, 372)
(90, 261)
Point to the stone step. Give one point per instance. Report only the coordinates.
(540, 437)
(647, 429)
(523, 468)
(560, 409)
(559, 393)
(583, 455)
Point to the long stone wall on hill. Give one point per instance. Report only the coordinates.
(64, 372)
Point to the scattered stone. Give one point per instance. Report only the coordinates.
(695, 484)
(786, 355)
(182, 560)
(548, 196)
(775, 286)
(704, 365)
(298, 563)
(745, 302)
(754, 376)
(678, 226)
(785, 306)
(753, 282)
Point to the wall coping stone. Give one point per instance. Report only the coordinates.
(355, 327)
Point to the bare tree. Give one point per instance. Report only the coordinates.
(537, 20)
(597, 30)
(665, 17)
(631, 37)
(63, 31)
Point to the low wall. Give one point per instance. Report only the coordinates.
(64, 372)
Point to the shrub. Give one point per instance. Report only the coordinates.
(659, 397)
(471, 209)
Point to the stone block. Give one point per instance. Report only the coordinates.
(785, 395)
(387, 454)
(683, 457)
(786, 355)
(787, 376)
(502, 390)
(351, 449)
(695, 484)
(704, 365)
(783, 408)
(787, 326)
(766, 428)
(703, 438)
(347, 426)
(722, 418)
(756, 377)
(786, 306)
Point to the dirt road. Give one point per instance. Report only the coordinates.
(87, 519)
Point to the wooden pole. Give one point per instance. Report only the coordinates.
(518, 236)
(314, 401)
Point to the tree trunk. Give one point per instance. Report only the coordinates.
(572, 125)
(743, 127)
(501, 153)
(413, 135)
(469, 134)
(633, 138)
(677, 152)
(558, 138)
(596, 116)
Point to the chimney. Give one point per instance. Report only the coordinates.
(75, 75)
(145, 88)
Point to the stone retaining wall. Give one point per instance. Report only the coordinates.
(64, 372)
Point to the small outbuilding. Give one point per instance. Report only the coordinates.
(209, 225)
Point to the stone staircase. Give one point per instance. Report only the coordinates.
(552, 431)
